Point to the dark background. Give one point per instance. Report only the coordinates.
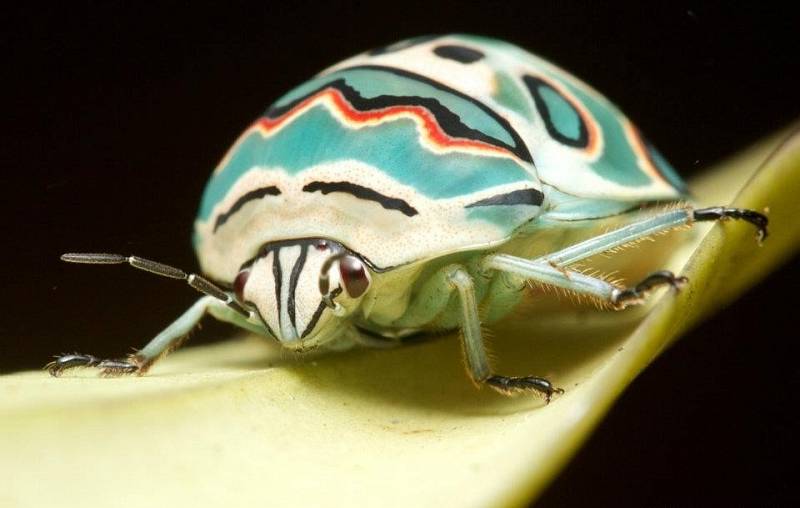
(115, 115)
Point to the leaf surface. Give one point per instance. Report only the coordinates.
(244, 423)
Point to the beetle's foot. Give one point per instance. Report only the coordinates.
(509, 385)
(759, 220)
(108, 368)
(636, 294)
(116, 368)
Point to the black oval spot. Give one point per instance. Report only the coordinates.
(563, 122)
(461, 54)
(531, 197)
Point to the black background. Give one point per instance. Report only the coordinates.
(116, 115)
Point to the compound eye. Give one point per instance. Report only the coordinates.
(239, 283)
(354, 276)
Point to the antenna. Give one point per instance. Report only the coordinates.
(197, 282)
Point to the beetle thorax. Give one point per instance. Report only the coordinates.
(304, 290)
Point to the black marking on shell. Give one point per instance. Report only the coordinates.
(530, 197)
(461, 54)
(450, 122)
(535, 85)
(244, 199)
(365, 193)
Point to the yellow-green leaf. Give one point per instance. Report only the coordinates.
(245, 424)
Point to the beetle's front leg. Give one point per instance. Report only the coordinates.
(475, 352)
(138, 363)
(107, 367)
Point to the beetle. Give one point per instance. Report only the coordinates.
(398, 190)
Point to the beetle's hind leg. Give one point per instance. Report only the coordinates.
(551, 269)
(475, 352)
(715, 213)
(138, 363)
(649, 226)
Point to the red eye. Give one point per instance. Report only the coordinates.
(354, 276)
(239, 283)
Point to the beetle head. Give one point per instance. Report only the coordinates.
(304, 290)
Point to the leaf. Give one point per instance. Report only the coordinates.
(244, 423)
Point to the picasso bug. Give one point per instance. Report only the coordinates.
(399, 190)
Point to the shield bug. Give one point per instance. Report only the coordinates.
(386, 197)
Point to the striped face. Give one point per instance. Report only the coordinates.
(283, 285)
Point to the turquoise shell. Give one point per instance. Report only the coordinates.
(424, 148)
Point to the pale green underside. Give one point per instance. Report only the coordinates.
(244, 424)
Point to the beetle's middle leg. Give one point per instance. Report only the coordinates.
(580, 283)
(475, 352)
